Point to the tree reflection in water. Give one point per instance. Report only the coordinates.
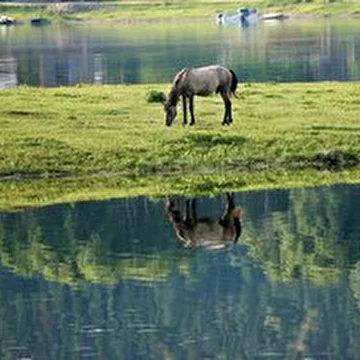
(108, 280)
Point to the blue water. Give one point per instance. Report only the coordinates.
(111, 280)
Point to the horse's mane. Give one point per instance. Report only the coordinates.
(173, 97)
(179, 76)
(175, 92)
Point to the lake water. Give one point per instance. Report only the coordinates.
(110, 280)
(322, 49)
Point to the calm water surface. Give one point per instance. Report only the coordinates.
(148, 53)
(110, 280)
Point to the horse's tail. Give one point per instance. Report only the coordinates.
(234, 83)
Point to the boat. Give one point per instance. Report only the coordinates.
(6, 20)
(248, 16)
(39, 21)
(274, 16)
(242, 17)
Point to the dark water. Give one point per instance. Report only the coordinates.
(148, 53)
(110, 280)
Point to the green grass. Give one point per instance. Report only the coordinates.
(178, 9)
(93, 142)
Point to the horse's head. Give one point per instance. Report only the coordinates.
(170, 113)
(170, 106)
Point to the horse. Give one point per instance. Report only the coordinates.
(201, 81)
(193, 231)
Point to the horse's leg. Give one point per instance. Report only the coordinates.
(190, 213)
(191, 107)
(187, 216)
(230, 201)
(230, 119)
(172, 209)
(231, 218)
(193, 210)
(230, 205)
(184, 110)
(227, 120)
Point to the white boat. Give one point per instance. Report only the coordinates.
(248, 16)
(274, 16)
(243, 17)
(6, 20)
(226, 19)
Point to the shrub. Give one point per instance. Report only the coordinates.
(156, 96)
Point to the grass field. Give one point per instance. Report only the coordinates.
(91, 142)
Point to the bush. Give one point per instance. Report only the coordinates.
(156, 96)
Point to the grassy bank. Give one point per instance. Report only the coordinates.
(209, 8)
(92, 142)
(175, 9)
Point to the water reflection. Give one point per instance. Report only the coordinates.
(8, 72)
(151, 53)
(193, 231)
(110, 280)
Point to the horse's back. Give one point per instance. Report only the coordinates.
(218, 72)
(207, 79)
(208, 234)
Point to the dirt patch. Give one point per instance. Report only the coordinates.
(331, 160)
(335, 160)
(31, 175)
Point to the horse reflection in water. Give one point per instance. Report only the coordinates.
(210, 233)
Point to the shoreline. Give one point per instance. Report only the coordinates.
(206, 19)
(129, 13)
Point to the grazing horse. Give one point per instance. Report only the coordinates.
(201, 81)
(206, 232)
